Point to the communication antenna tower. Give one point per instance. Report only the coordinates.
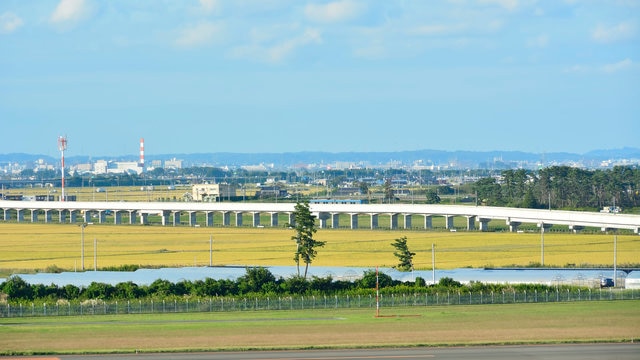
(62, 146)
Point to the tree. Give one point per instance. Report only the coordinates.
(432, 197)
(256, 279)
(305, 227)
(405, 257)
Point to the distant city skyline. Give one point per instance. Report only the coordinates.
(280, 76)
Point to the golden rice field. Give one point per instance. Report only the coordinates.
(35, 247)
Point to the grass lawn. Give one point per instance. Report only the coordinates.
(605, 321)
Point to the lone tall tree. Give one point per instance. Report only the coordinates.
(405, 257)
(305, 227)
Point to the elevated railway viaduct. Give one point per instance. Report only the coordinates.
(329, 215)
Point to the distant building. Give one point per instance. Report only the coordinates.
(271, 191)
(212, 192)
(173, 164)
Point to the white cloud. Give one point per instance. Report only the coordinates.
(333, 12)
(209, 6)
(198, 35)
(284, 49)
(623, 31)
(615, 67)
(507, 4)
(540, 41)
(9, 22)
(278, 52)
(436, 29)
(607, 68)
(69, 11)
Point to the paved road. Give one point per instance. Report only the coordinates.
(546, 352)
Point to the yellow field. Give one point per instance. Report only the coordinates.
(38, 246)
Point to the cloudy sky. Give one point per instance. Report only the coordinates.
(293, 75)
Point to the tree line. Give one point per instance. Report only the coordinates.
(257, 282)
(561, 187)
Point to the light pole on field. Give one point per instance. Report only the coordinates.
(82, 226)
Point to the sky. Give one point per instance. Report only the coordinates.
(278, 76)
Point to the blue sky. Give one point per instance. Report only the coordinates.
(339, 76)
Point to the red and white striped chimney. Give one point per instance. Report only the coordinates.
(142, 153)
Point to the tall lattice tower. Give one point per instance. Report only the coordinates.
(141, 162)
(62, 146)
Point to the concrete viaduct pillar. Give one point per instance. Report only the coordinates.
(354, 221)
(255, 218)
(576, 228)
(544, 226)
(62, 215)
(484, 224)
(393, 221)
(117, 217)
(144, 218)
(192, 218)
(448, 221)
(335, 220)
(102, 216)
(165, 217)
(226, 218)
(428, 222)
(513, 225)
(374, 221)
(208, 216)
(292, 219)
(175, 216)
(133, 214)
(239, 218)
(407, 221)
(274, 219)
(322, 219)
(47, 215)
(86, 216)
(34, 215)
(471, 222)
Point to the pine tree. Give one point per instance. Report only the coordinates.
(405, 257)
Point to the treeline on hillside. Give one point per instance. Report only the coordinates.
(562, 187)
(257, 281)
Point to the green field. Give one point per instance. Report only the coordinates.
(608, 321)
(36, 247)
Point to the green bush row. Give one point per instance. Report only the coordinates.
(257, 281)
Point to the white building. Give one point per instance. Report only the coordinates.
(212, 192)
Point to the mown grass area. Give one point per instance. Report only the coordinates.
(610, 321)
(36, 247)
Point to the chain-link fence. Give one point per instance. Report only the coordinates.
(219, 304)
